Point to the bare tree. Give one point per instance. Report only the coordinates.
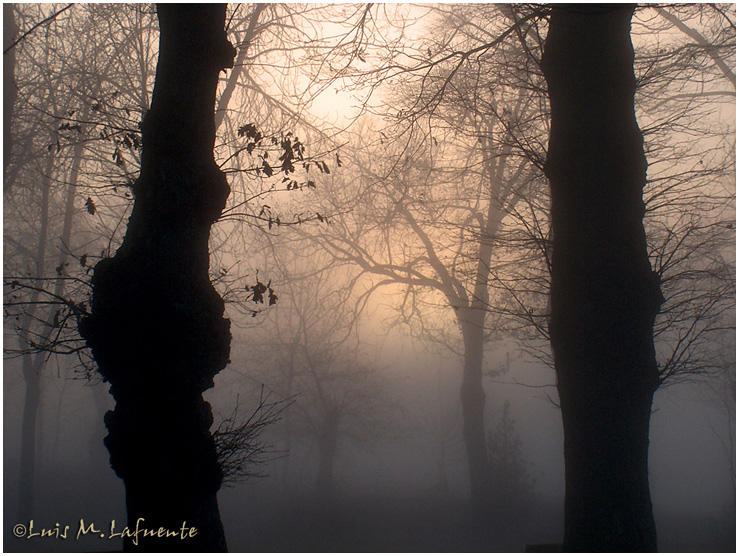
(44, 295)
(430, 217)
(310, 353)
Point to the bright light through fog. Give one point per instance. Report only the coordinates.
(417, 210)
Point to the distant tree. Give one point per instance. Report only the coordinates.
(440, 428)
(714, 49)
(511, 480)
(604, 296)
(156, 327)
(10, 90)
(34, 326)
(428, 219)
(724, 393)
(57, 126)
(40, 218)
(431, 211)
(86, 83)
(309, 352)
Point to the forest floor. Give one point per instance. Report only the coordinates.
(256, 520)
(432, 525)
(380, 525)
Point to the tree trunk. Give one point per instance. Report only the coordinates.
(33, 365)
(473, 409)
(442, 482)
(98, 456)
(604, 296)
(472, 323)
(31, 404)
(10, 91)
(157, 329)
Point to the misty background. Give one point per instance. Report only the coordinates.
(346, 359)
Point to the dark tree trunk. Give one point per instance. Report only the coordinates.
(157, 329)
(604, 294)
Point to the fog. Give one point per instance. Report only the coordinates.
(385, 239)
(386, 485)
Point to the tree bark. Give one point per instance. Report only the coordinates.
(157, 329)
(604, 295)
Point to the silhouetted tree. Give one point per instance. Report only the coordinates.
(156, 327)
(604, 295)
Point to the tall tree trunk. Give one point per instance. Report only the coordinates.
(442, 489)
(604, 294)
(472, 396)
(33, 365)
(157, 329)
(31, 404)
(10, 90)
(472, 323)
